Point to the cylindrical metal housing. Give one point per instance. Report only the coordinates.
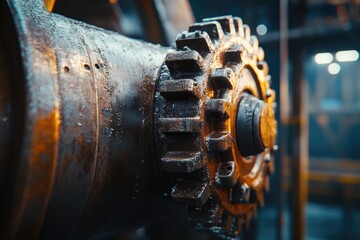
(78, 102)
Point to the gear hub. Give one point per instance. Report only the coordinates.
(215, 123)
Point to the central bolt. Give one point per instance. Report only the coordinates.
(255, 124)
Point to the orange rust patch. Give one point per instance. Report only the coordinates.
(49, 4)
(40, 169)
(43, 152)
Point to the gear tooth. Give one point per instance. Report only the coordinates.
(190, 192)
(200, 226)
(248, 218)
(274, 106)
(187, 124)
(178, 89)
(218, 107)
(254, 42)
(260, 54)
(210, 214)
(260, 198)
(212, 28)
(222, 78)
(226, 23)
(219, 141)
(228, 224)
(268, 79)
(252, 196)
(240, 194)
(267, 156)
(181, 161)
(262, 65)
(238, 24)
(198, 41)
(268, 93)
(233, 54)
(200, 214)
(184, 63)
(255, 210)
(218, 214)
(247, 32)
(218, 231)
(239, 224)
(266, 183)
(227, 175)
(269, 166)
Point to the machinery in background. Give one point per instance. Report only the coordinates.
(97, 129)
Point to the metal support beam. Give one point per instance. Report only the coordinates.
(299, 146)
(284, 115)
(164, 19)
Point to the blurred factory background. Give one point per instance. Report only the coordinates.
(312, 48)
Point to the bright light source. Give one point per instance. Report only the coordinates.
(334, 68)
(261, 29)
(323, 58)
(347, 56)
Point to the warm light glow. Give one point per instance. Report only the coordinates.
(347, 56)
(49, 4)
(261, 29)
(323, 58)
(334, 68)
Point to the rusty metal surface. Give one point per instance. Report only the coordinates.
(88, 98)
(215, 125)
(96, 126)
